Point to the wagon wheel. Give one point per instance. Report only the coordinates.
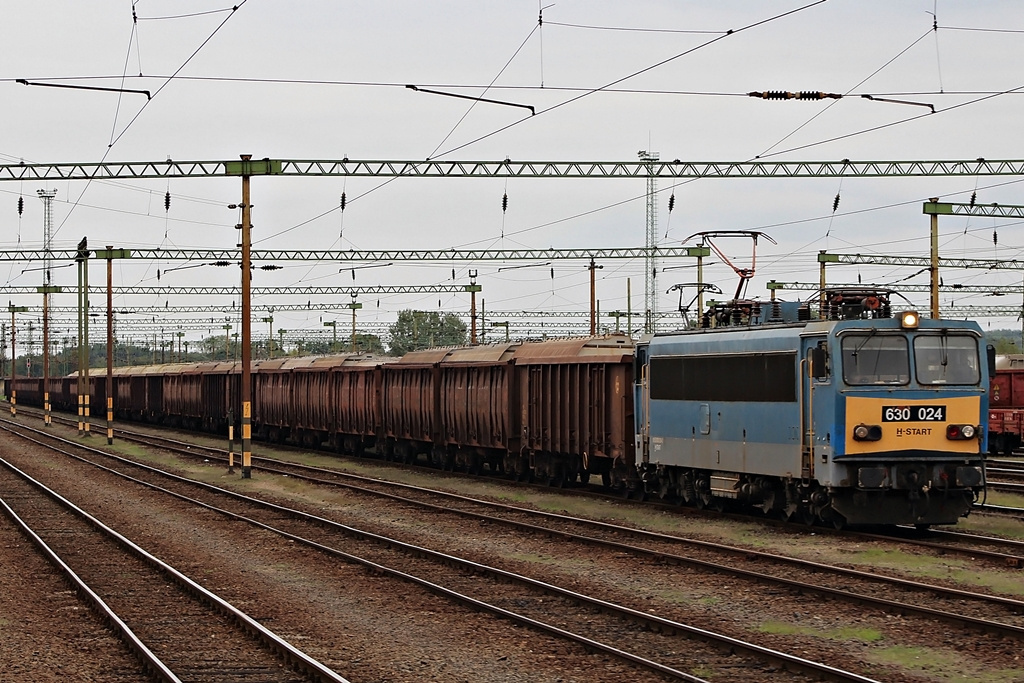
(556, 479)
(584, 477)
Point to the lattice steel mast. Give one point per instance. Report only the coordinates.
(651, 261)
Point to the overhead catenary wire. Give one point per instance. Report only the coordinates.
(149, 101)
(728, 33)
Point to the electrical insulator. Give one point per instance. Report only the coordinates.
(672, 202)
(167, 201)
(504, 202)
(995, 238)
(552, 273)
(835, 203)
(21, 205)
(974, 196)
(453, 273)
(803, 95)
(158, 275)
(271, 266)
(343, 201)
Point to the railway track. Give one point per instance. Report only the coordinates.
(1000, 551)
(840, 584)
(844, 584)
(151, 606)
(640, 636)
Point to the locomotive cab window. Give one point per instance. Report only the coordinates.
(875, 359)
(947, 359)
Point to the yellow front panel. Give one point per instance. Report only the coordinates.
(905, 435)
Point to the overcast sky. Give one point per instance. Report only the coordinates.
(324, 79)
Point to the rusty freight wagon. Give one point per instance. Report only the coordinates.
(574, 409)
(1006, 405)
(410, 407)
(273, 404)
(477, 397)
(335, 400)
(353, 390)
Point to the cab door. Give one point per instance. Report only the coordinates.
(642, 403)
(815, 378)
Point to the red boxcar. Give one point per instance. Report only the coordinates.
(410, 399)
(1006, 405)
(355, 398)
(575, 409)
(477, 398)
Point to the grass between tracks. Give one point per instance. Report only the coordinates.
(801, 542)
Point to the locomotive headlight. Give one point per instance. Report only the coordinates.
(909, 319)
(863, 432)
(961, 432)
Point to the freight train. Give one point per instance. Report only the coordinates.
(853, 417)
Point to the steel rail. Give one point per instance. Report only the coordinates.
(824, 671)
(799, 563)
(836, 594)
(187, 449)
(150, 661)
(291, 654)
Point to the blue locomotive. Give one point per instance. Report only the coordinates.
(855, 417)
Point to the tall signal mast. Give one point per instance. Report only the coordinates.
(650, 287)
(47, 197)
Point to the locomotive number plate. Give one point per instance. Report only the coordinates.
(913, 413)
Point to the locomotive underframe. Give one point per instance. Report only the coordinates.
(901, 491)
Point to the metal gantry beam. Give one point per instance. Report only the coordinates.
(843, 168)
(919, 261)
(992, 210)
(991, 290)
(222, 310)
(265, 291)
(354, 255)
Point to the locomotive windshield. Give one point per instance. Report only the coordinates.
(947, 359)
(875, 359)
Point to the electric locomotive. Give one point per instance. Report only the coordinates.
(856, 418)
